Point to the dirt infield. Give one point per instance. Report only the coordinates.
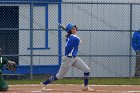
(70, 88)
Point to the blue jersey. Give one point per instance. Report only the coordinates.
(136, 41)
(71, 48)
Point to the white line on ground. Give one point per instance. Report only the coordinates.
(133, 91)
(69, 85)
(36, 91)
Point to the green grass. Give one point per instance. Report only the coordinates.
(95, 81)
(117, 81)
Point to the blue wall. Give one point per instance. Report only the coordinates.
(36, 70)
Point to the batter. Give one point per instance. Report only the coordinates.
(70, 58)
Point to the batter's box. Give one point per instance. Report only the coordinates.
(67, 91)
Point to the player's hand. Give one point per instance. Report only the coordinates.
(64, 58)
(11, 65)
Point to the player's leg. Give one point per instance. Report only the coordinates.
(65, 66)
(51, 79)
(62, 71)
(137, 67)
(80, 64)
(3, 84)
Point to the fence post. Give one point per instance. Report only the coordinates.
(31, 40)
(130, 48)
(59, 36)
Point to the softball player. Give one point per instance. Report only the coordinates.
(136, 47)
(70, 58)
(3, 61)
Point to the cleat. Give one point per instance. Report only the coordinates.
(87, 89)
(43, 86)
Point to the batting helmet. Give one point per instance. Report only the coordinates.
(69, 27)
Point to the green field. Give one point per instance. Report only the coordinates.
(95, 81)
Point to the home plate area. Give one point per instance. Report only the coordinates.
(72, 88)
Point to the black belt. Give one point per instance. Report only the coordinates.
(71, 56)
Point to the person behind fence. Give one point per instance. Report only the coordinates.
(70, 59)
(136, 47)
(10, 65)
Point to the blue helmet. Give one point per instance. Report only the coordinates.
(69, 27)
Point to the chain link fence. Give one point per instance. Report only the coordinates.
(30, 37)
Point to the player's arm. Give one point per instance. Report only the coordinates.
(10, 65)
(76, 43)
(69, 47)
